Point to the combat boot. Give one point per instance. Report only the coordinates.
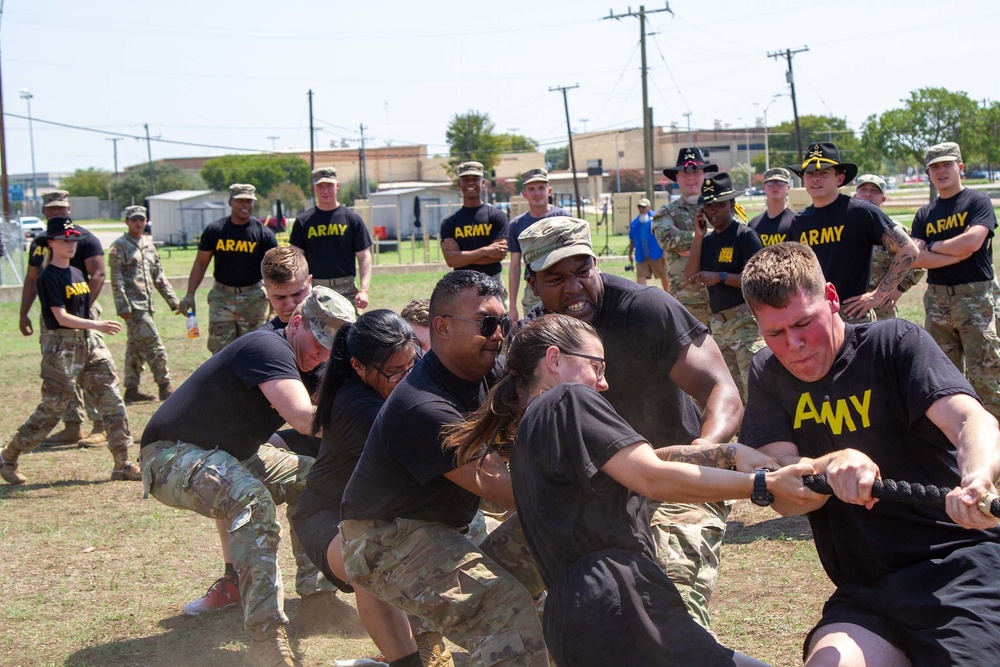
(97, 437)
(433, 652)
(165, 391)
(125, 470)
(8, 467)
(70, 434)
(133, 395)
(269, 648)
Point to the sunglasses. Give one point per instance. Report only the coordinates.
(597, 363)
(488, 325)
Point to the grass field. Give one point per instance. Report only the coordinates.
(96, 576)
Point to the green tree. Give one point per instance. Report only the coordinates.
(89, 182)
(988, 128)
(783, 147)
(505, 188)
(262, 171)
(632, 180)
(351, 191)
(517, 143)
(470, 136)
(293, 200)
(558, 158)
(133, 187)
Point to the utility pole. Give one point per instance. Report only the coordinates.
(149, 155)
(362, 162)
(572, 158)
(312, 134)
(790, 77)
(388, 143)
(273, 138)
(647, 113)
(4, 183)
(114, 141)
(687, 114)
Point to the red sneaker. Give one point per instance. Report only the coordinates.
(225, 592)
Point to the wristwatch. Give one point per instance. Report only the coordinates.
(723, 275)
(760, 495)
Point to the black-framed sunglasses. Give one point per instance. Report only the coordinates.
(397, 377)
(597, 363)
(488, 325)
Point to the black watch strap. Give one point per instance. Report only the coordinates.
(761, 496)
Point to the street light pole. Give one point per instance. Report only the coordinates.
(767, 148)
(26, 95)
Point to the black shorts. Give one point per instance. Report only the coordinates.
(317, 522)
(617, 607)
(299, 443)
(939, 612)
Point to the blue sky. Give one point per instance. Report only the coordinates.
(236, 72)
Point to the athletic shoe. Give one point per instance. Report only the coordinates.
(225, 592)
(269, 648)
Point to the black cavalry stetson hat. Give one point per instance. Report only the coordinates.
(60, 228)
(689, 159)
(822, 155)
(717, 188)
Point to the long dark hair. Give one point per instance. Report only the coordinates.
(494, 424)
(372, 340)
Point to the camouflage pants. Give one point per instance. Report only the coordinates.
(689, 548)
(738, 337)
(528, 299)
(693, 296)
(481, 598)
(232, 315)
(245, 493)
(965, 327)
(73, 358)
(82, 405)
(144, 346)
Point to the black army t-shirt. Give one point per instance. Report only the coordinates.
(475, 228)
(237, 250)
(353, 412)
(88, 246)
(843, 235)
(728, 252)
(221, 404)
(947, 218)
(329, 240)
(568, 507)
(773, 230)
(401, 471)
(66, 288)
(874, 399)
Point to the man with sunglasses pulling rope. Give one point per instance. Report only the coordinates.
(408, 504)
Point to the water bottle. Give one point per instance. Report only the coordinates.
(192, 324)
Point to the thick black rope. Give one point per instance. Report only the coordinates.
(900, 492)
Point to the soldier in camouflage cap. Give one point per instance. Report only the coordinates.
(667, 378)
(135, 273)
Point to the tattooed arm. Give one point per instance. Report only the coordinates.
(731, 455)
(905, 252)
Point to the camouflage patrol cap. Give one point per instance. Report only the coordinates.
(135, 212)
(324, 175)
(877, 181)
(535, 176)
(326, 311)
(471, 169)
(554, 239)
(242, 191)
(949, 151)
(55, 198)
(778, 174)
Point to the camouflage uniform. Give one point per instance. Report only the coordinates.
(69, 357)
(245, 493)
(673, 226)
(135, 271)
(881, 260)
(232, 315)
(736, 333)
(431, 569)
(964, 325)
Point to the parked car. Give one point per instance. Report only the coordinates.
(31, 226)
(753, 192)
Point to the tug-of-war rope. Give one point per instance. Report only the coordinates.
(905, 492)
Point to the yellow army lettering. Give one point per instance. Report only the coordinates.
(232, 245)
(326, 230)
(821, 236)
(835, 418)
(772, 239)
(77, 289)
(39, 251)
(951, 222)
(725, 255)
(465, 231)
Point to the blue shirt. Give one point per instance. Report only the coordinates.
(641, 236)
